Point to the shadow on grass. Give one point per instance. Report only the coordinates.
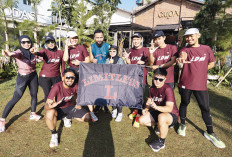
(99, 141)
(16, 117)
(7, 79)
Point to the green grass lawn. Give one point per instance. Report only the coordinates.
(109, 138)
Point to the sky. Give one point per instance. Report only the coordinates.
(127, 5)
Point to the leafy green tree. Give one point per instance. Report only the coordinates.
(79, 21)
(104, 9)
(3, 5)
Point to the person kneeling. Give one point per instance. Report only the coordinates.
(59, 105)
(160, 108)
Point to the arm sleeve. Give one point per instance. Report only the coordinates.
(174, 51)
(169, 95)
(41, 53)
(85, 52)
(120, 61)
(53, 92)
(17, 54)
(150, 93)
(107, 61)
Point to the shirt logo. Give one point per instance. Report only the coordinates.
(136, 58)
(198, 59)
(157, 99)
(74, 56)
(53, 60)
(163, 58)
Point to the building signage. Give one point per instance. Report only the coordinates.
(19, 14)
(168, 14)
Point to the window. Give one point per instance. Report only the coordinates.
(27, 2)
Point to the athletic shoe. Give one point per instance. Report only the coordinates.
(96, 109)
(114, 113)
(34, 116)
(67, 122)
(93, 116)
(54, 141)
(119, 118)
(132, 115)
(136, 124)
(157, 130)
(157, 145)
(181, 129)
(215, 140)
(2, 125)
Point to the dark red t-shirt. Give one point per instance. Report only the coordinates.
(194, 74)
(52, 61)
(162, 95)
(59, 92)
(137, 55)
(79, 53)
(164, 55)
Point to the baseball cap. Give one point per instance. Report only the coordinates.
(191, 31)
(137, 35)
(47, 38)
(71, 34)
(158, 34)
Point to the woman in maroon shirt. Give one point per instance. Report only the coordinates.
(27, 76)
(52, 62)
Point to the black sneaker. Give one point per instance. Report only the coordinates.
(157, 145)
(106, 109)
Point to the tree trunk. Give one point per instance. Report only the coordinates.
(6, 31)
(60, 29)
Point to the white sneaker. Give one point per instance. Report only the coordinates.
(54, 141)
(2, 125)
(67, 122)
(34, 116)
(114, 113)
(119, 117)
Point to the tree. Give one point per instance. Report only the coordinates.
(3, 5)
(79, 21)
(104, 9)
(215, 24)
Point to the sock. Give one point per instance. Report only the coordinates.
(182, 120)
(209, 129)
(135, 112)
(137, 119)
(53, 131)
(162, 140)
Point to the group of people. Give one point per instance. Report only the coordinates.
(160, 109)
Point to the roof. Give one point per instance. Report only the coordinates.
(131, 26)
(167, 27)
(152, 3)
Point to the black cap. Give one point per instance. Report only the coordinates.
(114, 47)
(47, 38)
(137, 35)
(158, 34)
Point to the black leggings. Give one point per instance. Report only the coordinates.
(202, 98)
(22, 81)
(46, 83)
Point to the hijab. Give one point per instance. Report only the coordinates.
(51, 38)
(26, 52)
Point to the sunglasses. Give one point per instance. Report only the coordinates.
(112, 51)
(70, 77)
(24, 42)
(160, 79)
(50, 42)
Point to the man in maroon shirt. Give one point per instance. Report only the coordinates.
(137, 55)
(74, 54)
(163, 57)
(160, 108)
(59, 105)
(196, 59)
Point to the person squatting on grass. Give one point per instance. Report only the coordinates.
(98, 53)
(74, 54)
(52, 62)
(137, 55)
(59, 105)
(113, 58)
(27, 76)
(160, 108)
(196, 60)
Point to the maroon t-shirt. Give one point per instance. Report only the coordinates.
(162, 95)
(79, 53)
(137, 55)
(164, 55)
(194, 74)
(52, 61)
(59, 92)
